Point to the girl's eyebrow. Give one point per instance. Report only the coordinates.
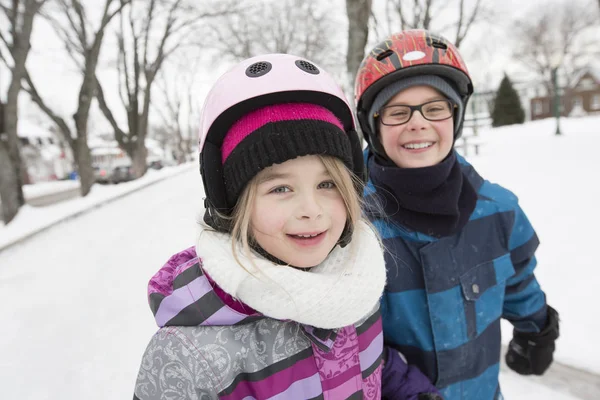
(271, 176)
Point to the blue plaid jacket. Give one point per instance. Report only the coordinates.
(444, 297)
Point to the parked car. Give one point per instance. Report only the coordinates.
(111, 165)
(122, 173)
(156, 164)
(118, 174)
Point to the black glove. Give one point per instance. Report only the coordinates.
(430, 396)
(531, 353)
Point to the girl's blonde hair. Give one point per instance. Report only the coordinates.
(346, 182)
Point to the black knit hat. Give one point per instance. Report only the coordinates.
(275, 134)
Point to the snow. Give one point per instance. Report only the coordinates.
(516, 387)
(74, 296)
(555, 180)
(45, 188)
(34, 219)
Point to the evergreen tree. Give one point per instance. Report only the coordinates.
(507, 105)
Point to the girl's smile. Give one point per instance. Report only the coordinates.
(307, 239)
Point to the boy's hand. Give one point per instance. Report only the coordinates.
(531, 353)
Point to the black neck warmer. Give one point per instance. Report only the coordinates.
(436, 200)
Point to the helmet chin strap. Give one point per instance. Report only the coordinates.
(214, 220)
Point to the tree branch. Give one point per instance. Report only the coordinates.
(119, 133)
(427, 16)
(107, 18)
(13, 18)
(461, 36)
(124, 69)
(75, 26)
(59, 121)
(4, 60)
(5, 10)
(461, 12)
(146, 29)
(82, 21)
(74, 48)
(9, 46)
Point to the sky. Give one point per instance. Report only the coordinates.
(487, 52)
(74, 296)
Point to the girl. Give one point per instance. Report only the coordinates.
(460, 251)
(279, 298)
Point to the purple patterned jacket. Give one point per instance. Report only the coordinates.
(212, 347)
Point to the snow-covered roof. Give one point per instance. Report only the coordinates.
(595, 73)
(592, 70)
(94, 141)
(106, 151)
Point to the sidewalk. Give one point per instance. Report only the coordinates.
(33, 220)
(48, 193)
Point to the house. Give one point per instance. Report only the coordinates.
(45, 156)
(481, 103)
(583, 98)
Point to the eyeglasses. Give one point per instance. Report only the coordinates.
(437, 110)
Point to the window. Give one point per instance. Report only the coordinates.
(587, 84)
(577, 102)
(538, 107)
(595, 103)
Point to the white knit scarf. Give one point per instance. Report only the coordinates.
(340, 291)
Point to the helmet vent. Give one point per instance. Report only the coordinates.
(439, 44)
(258, 69)
(384, 55)
(307, 67)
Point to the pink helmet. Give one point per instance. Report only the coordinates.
(255, 83)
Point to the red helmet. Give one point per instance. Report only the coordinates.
(404, 54)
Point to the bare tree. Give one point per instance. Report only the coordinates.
(456, 16)
(564, 35)
(14, 49)
(179, 110)
(83, 45)
(301, 27)
(140, 58)
(358, 12)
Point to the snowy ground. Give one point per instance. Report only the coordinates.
(74, 296)
(556, 181)
(33, 219)
(44, 188)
